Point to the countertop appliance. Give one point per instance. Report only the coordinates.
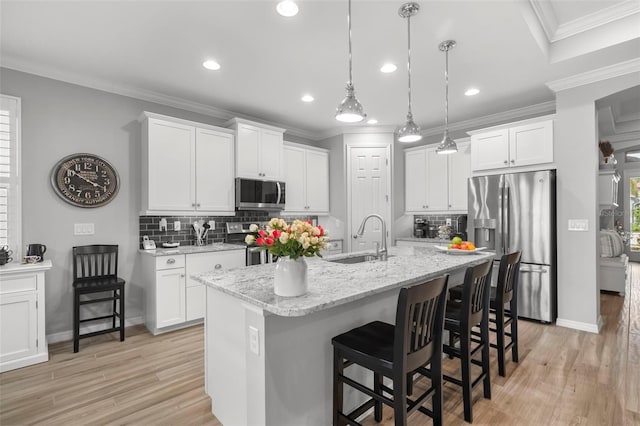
(420, 227)
(236, 233)
(263, 195)
(517, 211)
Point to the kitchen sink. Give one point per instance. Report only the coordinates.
(355, 259)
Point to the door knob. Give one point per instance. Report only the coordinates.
(355, 236)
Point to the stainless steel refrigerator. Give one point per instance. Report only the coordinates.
(517, 211)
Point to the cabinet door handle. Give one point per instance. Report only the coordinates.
(449, 205)
(513, 161)
(198, 205)
(506, 162)
(193, 204)
(181, 275)
(171, 261)
(218, 266)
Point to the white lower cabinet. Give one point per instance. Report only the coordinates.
(22, 315)
(173, 298)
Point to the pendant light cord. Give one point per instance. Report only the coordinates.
(446, 92)
(409, 59)
(349, 25)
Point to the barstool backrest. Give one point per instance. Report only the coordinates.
(95, 261)
(508, 277)
(420, 322)
(475, 293)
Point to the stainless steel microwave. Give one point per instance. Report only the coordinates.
(254, 194)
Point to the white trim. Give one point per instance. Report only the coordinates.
(513, 123)
(616, 70)
(65, 336)
(141, 94)
(582, 326)
(146, 114)
(307, 147)
(554, 32)
(18, 250)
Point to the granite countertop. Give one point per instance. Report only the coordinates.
(332, 284)
(193, 249)
(425, 240)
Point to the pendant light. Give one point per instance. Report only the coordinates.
(448, 145)
(350, 109)
(410, 131)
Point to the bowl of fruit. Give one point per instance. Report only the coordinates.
(459, 246)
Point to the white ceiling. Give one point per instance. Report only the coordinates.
(154, 50)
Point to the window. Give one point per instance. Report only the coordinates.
(10, 199)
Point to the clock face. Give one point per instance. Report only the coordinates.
(85, 180)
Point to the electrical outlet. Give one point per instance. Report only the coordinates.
(578, 225)
(176, 225)
(448, 221)
(254, 340)
(212, 224)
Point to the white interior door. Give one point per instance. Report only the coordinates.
(369, 193)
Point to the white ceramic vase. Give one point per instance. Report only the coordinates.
(291, 277)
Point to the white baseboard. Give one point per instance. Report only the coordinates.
(582, 326)
(64, 336)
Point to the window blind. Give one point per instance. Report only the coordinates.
(10, 221)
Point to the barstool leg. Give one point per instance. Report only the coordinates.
(115, 299)
(121, 314)
(400, 399)
(436, 382)
(484, 331)
(76, 321)
(337, 386)
(465, 361)
(500, 339)
(377, 388)
(514, 329)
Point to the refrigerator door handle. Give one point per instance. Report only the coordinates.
(506, 221)
(525, 270)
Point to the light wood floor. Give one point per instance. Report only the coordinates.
(565, 377)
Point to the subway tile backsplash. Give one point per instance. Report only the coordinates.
(150, 226)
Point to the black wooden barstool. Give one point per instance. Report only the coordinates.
(397, 352)
(460, 317)
(95, 270)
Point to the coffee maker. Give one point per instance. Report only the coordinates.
(420, 227)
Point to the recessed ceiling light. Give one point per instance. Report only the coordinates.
(307, 98)
(211, 65)
(472, 92)
(388, 67)
(372, 121)
(287, 8)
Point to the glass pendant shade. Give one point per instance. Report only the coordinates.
(350, 109)
(410, 131)
(447, 145)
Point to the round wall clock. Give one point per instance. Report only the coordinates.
(85, 180)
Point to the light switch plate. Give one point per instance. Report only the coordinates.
(579, 225)
(176, 225)
(448, 221)
(83, 229)
(254, 340)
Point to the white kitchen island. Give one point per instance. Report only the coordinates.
(268, 359)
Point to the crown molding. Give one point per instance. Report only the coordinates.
(623, 137)
(554, 32)
(596, 19)
(145, 95)
(593, 76)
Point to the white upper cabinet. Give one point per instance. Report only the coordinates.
(436, 182)
(608, 189)
(519, 144)
(187, 167)
(306, 175)
(258, 150)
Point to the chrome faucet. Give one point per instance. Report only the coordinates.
(381, 249)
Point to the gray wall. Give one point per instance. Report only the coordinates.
(576, 152)
(59, 119)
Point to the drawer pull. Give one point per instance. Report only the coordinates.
(171, 261)
(218, 266)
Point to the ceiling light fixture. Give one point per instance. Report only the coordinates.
(287, 8)
(410, 131)
(211, 65)
(350, 109)
(447, 145)
(388, 67)
(472, 91)
(307, 98)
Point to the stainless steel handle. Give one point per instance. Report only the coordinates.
(218, 266)
(506, 162)
(181, 275)
(507, 221)
(198, 205)
(533, 271)
(513, 161)
(193, 204)
(171, 261)
(355, 236)
(279, 192)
